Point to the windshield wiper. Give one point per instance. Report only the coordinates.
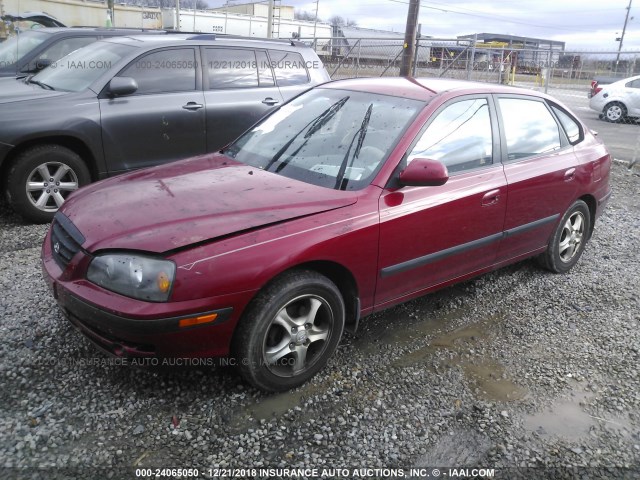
(313, 127)
(360, 134)
(39, 83)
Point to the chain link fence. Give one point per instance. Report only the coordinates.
(470, 60)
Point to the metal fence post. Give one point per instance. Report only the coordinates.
(473, 56)
(546, 80)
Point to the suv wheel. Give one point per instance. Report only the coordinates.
(41, 178)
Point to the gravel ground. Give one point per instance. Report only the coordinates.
(530, 373)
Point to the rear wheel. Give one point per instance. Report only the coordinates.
(614, 112)
(41, 178)
(290, 331)
(569, 239)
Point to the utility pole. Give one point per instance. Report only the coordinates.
(410, 38)
(177, 25)
(624, 28)
(315, 23)
(111, 14)
(270, 20)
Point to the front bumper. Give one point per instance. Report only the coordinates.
(128, 327)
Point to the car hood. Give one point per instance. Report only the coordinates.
(191, 201)
(15, 90)
(42, 18)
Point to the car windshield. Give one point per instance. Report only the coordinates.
(14, 48)
(332, 138)
(81, 68)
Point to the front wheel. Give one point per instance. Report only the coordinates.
(289, 331)
(41, 178)
(569, 239)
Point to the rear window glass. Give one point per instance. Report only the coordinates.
(529, 128)
(232, 68)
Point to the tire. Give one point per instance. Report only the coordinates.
(569, 239)
(38, 198)
(289, 331)
(614, 112)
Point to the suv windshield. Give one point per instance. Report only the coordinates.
(81, 68)
(331, 138)
(13, 49)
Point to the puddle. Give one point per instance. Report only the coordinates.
(487, 377)
(392, 332)
(490, 383)
(273, 406)
(566, 419)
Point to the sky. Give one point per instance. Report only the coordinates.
(581, 24)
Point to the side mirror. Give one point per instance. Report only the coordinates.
(120, 86)
(423, 172)
(42, 63)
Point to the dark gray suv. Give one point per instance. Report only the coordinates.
(132, 102)
(32, 50)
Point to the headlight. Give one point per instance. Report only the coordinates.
(133, 275)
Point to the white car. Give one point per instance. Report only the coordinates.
(619, 100)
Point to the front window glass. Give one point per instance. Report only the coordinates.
(163, 71)
(529, 127)
(460, 137)
(332, 138)
(15, 48)
(78, 70)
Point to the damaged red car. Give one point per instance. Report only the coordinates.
(353, 197)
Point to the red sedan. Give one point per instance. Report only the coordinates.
(353, 197)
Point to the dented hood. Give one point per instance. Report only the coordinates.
(186, 202)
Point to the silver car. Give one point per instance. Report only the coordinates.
(618, 101)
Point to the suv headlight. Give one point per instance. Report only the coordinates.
(133, 275)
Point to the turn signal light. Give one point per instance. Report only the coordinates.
(190, 322)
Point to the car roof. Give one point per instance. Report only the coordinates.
(421, 88)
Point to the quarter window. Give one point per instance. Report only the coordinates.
(164, 71)
(289, 67)
(571, 127)
(633, 83)
(460, 137)
(529, 128)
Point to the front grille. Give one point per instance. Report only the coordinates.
(66, 240)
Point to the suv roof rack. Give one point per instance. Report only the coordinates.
(213, 36)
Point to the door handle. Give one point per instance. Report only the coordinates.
(491, 198)
(193, 106)
(270, 101)
(569, 174)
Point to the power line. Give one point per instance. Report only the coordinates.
(497, 17)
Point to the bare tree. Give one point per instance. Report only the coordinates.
(338, 21)
(304, 15)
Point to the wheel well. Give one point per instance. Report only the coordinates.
(69, 142)
(593, 205)
(345, 282)
(616, 102)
